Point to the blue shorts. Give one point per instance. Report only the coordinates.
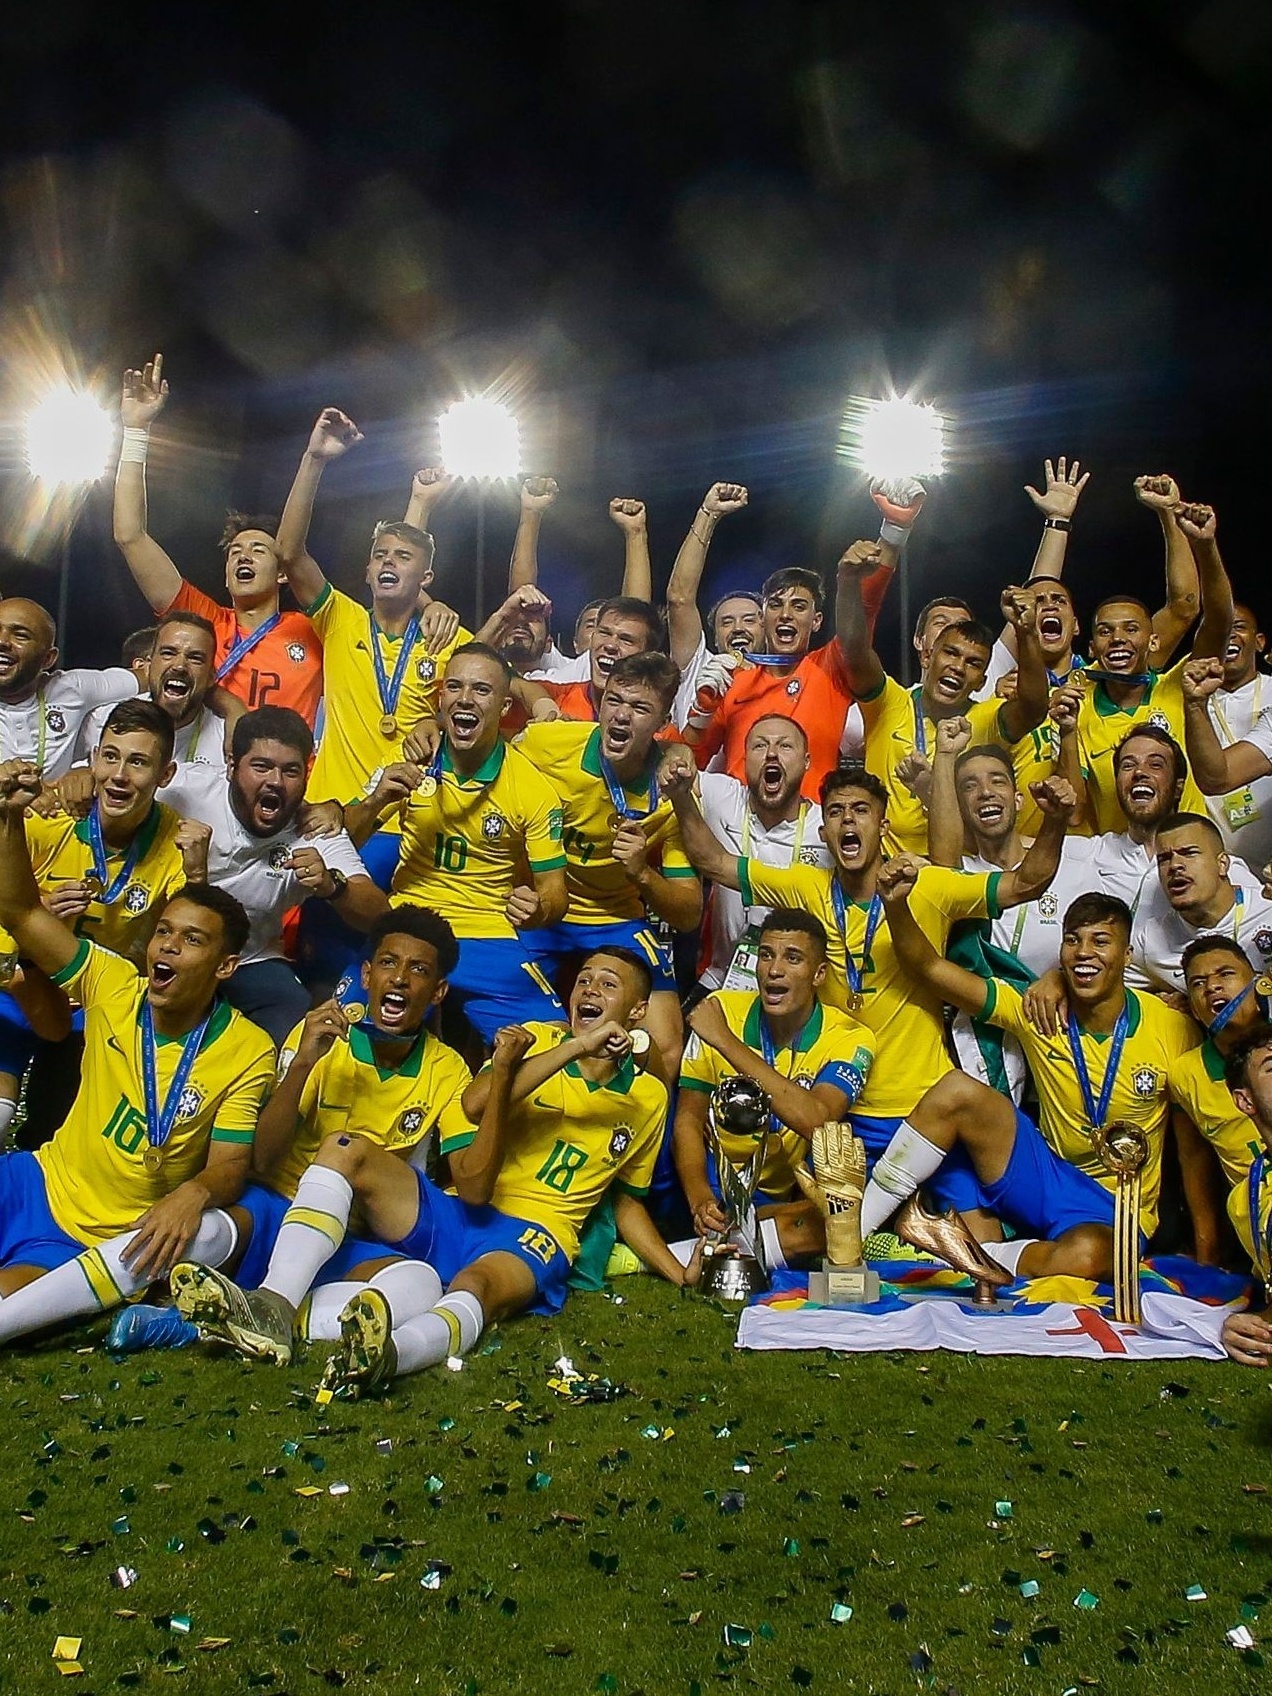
(875, 1133)
(1039, 1194)
(564, 942)
(18, 1040)
(493, 985)
(266, 1209)
(450, 1234)
(29, 1234)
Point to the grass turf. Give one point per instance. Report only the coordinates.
(607, 1547)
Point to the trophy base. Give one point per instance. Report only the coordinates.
(730, 1275)
(843, 1286)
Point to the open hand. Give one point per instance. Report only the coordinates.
(144, 395)
(333, 434)
(1063, 486)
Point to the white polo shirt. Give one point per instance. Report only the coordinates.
(1160, 935)
(1032, 930)
(1245, 815)
(253, 868)
(556, 667)
(726, 808)
(46, 726)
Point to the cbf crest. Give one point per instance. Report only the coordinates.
(296, 652)
(1048, 905)
(135, 899)
(493, 826)
(190, 1101)
(426, 669)
(1160, 720)
(1144, 1082)
(278, 857)
(409, 1125)
(620, 1141)
(55, 718)
(1263, 942)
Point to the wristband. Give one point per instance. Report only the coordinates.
(1057, 524)
(132, 448)
(896, 535)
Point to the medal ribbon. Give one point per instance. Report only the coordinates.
(111, 889)
(161, 1118)
(622, 806)
(1055, 678)
(1097, 1111)
(1262, 1246)
(1144, 678)
(1229, 1008)
(774, 659)
(920, 726)
(769, 1050)
(243, 646)
(41, 732)
(389, 689)
(873, 919)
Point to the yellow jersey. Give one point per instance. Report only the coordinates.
(1156, 1038)
(831, 1049)
(895, 726)
(570, 1139)
(568, 754)
(95, 1172)
(464, 845)
(396, 1108)
(1102, 725)
(1239, 1211)
(907, 1019)
(1033, 760)
(62, 852)
(1196, 1084)
(354, 750)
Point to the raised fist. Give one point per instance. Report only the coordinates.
(333, 433)
(1161, 493)
(1201, 678)
(627, 513)
(861, 559)
(723, 498)
(1020, 607)
(538, 493)
(1196, 520)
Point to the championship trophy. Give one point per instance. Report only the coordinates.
(1123, 1148)
(836, 1187)
(730, 1270)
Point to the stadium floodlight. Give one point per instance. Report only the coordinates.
(895, 440)
(480, 440)
(69, 436)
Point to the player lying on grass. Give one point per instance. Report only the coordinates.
(158, 1141)
(561, 1114)
(1106, 1063)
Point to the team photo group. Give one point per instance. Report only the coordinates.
(369, 980)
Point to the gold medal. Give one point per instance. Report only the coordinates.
(388, 725)
(427, 785)
(152, 1159)
(93, 884)
(856, 1001)
(640, 1042)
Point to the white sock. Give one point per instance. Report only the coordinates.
(770, 1236)
(313, 1228)
(1008, 1254)
(452, 1327)
(98, 1279)
(318, 1320)
(411, 1288)
(907, 1162)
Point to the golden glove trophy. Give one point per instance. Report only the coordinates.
(836, 1188)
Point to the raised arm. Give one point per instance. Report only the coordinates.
(1197, 524)
(1066, 703)
(676, 899)
(1215, 769)
(638, 573)
(333, 434)
(537, 495)
(684, 617)
(1032, 877)
(1057, 501)
(40, 937)
(531, 1074)
(953, 984)
(853, 621)
(143, 398)
(1027, 708)
(429, 487)
(945, 821)
(709, 856)
(1173, 621)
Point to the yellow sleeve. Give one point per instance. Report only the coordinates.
(1004, 1007)
(884, 705)
(781, 886)
(986, 719)
(96, 973)
(958, 895)
(700, 1065)
(240, 1107)
(673, 861)
(544, 821)
(329, 611)
(458, 1130)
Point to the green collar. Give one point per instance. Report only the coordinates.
(1106, 707)
(1213, 1061)
(221, 1011)
(590, 760)
(752, 1037)
(143, 836)
(363, 1051)
(621, 1083)
(487, 772)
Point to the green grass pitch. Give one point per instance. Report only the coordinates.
(613, 1547)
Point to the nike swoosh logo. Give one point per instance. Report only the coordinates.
(540, 1102)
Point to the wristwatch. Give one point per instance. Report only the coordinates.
(341, 883)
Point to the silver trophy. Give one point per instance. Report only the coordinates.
(734, 1269)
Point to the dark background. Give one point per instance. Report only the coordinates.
(677, 236)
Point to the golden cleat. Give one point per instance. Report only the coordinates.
(948, 1236)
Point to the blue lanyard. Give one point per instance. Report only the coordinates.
(774, 659)
(1098, 1111)
(244, 644)
(1055, 679)
(769, 1050)
(1226, 1012)
(111, 889)
(920, 726)
(1262, 1246)
(1145, 679)
(622, 806)
(160, 1119)
(873, 919)
(390, 690)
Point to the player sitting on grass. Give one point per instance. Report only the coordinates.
(561, 1115)
(1248, 1336)
(158, 1140)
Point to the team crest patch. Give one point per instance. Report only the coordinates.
(493, 826)
(278, 858)
(1263, 941)
(1048, 905)
(1160, 720)
(792, 688)
(809, 857)
(135, 898)
(296, 651)
(410, 1122)
(55, 718)
(1144, 1082)
(803, 1080)
(426, 669)
(620, 1141)
(190, 1102)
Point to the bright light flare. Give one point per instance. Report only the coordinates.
(69, 438)
(895, 440)
(480, 439)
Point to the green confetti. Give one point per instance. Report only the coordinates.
(1085, 1599)
(790, 1547)
(1003, 1510)
(1029, 1589)
(840, 1613)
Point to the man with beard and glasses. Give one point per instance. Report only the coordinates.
(900, 722)
(979, 1153)
(158, 1140)
(559, 1117)
(472, 819)
(624, 865)
(1194, 894)
(42, 709)
(1228, 735)
(1121, 686)
(260, 854)
(767, 818)
(179, 679)
(262, 654)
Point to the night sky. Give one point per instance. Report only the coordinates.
(679, 236)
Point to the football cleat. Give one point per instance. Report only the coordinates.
(258, 1323)
(366, 1358)
(948, 1235)
(146, 1326)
